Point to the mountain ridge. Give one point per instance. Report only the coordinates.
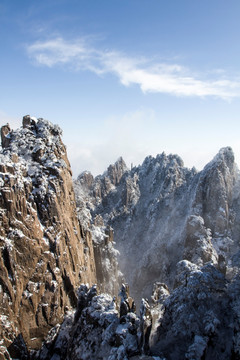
(174, 232)
(162, 197)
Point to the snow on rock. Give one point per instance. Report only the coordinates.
(43, 254)
(198, 320)
(175, 231)
(96, 331)
(109, 277)
(162, 213)
(198, 243)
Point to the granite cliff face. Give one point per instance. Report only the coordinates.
(45, 252)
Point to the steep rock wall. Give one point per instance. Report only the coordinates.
(44, 253)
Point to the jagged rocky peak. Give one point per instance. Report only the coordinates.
(44, 254)
(116, 171)
(225, 155)
(166, 160)
(176, 231)
(86, 179)
(215, 192)
(37, 140)
(224, 163)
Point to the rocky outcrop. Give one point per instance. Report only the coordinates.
(45, 254)
(198, 320)
(5, 135)
(109, 278)
(116, 171)
(95, 331)
(214, 193)
(198, 242)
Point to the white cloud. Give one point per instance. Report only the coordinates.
(148, 75)
(58, 51)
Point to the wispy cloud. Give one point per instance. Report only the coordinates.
(148, 75)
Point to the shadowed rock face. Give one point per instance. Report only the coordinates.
(44, 253)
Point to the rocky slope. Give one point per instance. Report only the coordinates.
(162, 213)
(45, 253)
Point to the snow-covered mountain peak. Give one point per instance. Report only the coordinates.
(225, 157)
(162, 212)
(36, 141)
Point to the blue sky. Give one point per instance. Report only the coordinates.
(125, 78)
